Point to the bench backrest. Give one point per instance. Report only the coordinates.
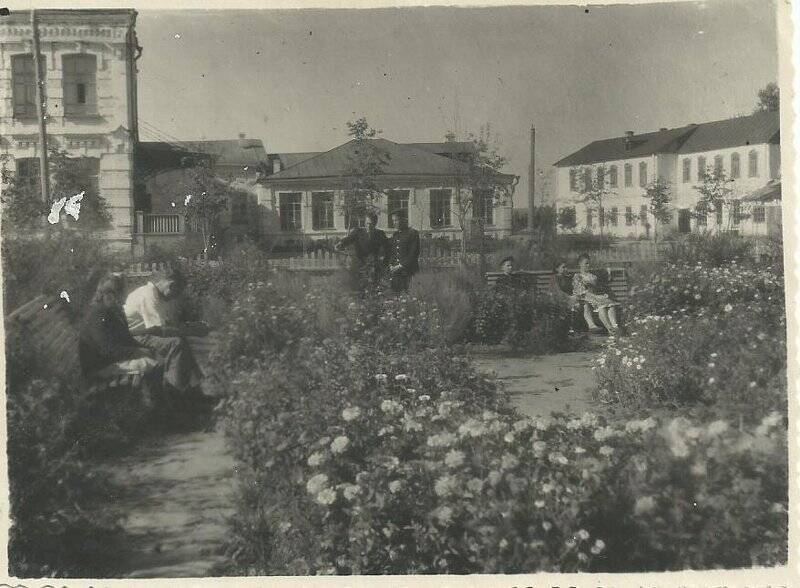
(539, 280)
(45, 325)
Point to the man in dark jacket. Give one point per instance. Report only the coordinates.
(370, 250)
(404, 258)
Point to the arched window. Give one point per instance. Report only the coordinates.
(701, 168)
(735, 166)
(752, 164)
(587, 179)
(643, 174)
(612, 176)
(718, 164)
(80, 87)
(23, 80)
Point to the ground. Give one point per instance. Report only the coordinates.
(180, 490)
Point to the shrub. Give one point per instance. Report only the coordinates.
(714, 249)
(392, 456)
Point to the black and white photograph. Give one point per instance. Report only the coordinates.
(368, 291)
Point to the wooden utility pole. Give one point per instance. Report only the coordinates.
(532, 183)
(41, 112)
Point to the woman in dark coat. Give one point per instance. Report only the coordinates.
(104, 339)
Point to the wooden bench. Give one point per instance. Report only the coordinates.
(52, 334)
(539, 280)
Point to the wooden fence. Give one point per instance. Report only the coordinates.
(326, 261)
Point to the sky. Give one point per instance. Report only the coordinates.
(294, 78)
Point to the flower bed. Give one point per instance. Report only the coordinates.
(368, 447)
(706, 337)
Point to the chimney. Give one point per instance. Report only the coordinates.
(628, 137)
(276, 165)
(532, 182)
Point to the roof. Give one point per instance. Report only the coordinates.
(226, 152)
(758, 128)
(290, 159)
(403, 160)
(446, 147)
(771, 191)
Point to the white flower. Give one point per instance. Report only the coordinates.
(539, 446)
(472, 428)
(717, 428)
(351, 491)
(340, 444)
(508, 437)
(400, 378)
(454, 458)
(424, 398)
(521, 425)
(547, 525)
(508, 461)
(351, 413)
(442, 440)
(503, 544)
(326, 496)
(538, 503)
(316, 459)
(644, 505)
(381, 377)
(495, 477)
(444, 514)
(598, 546)
(475, 485)
(583, 534)
(391, 406)
(394, 486)
(580, 450)
(316, 483)
(606, 450)
(445, 485)
(699, 469)
(385, 431)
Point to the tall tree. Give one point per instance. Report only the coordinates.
(716, 195)
(596, 189)
(366, 163)
(658, 194)
(480, 185)
(206, 196)
(769, 98)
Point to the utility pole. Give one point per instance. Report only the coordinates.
(41, 112)
(532, 183)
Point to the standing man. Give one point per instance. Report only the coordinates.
(404, 261)
(370, 248)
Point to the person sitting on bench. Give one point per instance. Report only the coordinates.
(586, 287)
(152, 315)
(561, 285)
(510, 280)
(105, 344)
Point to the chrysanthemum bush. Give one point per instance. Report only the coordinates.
(370, 447)
(704, 337)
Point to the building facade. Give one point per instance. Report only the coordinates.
(743, 151)
(305, 193)
(89, 73)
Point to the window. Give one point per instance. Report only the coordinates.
(752, 164)
(80, 90)
(628, 175)
(718, 164)
(484, 206)
(643, 174)
(601, 177)
(759, 214)
(601, 217)
(612, 176)
(291, 211)
(735, 167)
(701, 168)
(87, 173)
(28, 172)
(643, 214)
(321, 210)
(629, 216)
(589, 218)
(701, 214)
(718, 204)
(687, 170)
(398, 200)
(736, 211)
(23, 79)
(440, 209)
(354, 209)
(573, 180)
(612, 218)
(587, 179)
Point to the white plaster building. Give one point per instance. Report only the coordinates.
(306, 191)
(89, 71)
(746, 149)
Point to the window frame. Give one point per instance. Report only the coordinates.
(701, 168)
(322, 201)
(629, 216)
(687, 170)
(573, 180)
(440, 208)
(613, 176)
(82, 82)
(25, 178)
(486, 209)
(613, 216)
(296, 210)
(719, 166)
(642, 174)
(759, 214)
(23, 86)
(752, 164)
(402, 197)
(736, 166)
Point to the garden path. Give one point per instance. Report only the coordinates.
(178, 492)
(545, 384)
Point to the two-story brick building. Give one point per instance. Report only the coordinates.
(746, 150)
(89, 74)
(306, 191)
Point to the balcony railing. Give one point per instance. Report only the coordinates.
(163, 224)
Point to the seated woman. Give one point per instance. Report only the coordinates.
(586, 287)
(561, 285)
(509, 280)
(105, 345)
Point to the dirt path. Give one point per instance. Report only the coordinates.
(178, 492)
(541, 385)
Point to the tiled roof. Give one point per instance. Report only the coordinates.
(447, 147)
(290, 159)
(758, 128)
(226, 152)
(403, 159)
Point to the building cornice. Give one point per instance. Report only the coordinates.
(383, 183)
